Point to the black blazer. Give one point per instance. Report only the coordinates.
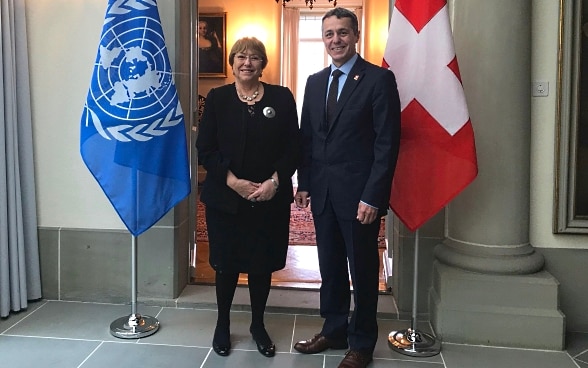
(354, 159)
(221, 144)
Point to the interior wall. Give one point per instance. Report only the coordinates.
(375, 29)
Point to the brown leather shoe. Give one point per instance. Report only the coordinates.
(355, 359)
(319, 343)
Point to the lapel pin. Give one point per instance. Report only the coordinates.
(356, 77)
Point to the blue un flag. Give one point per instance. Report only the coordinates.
(133, 137)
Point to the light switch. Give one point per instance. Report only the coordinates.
(540, 89)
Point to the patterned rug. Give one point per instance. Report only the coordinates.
(301, 227)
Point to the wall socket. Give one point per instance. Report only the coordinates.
(540, 89)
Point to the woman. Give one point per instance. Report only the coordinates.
(210, 58)
(248, 144)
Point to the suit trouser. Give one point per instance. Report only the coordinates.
(340, 241)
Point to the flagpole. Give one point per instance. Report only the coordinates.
(411, 341)
(133, 44)
(135, 325)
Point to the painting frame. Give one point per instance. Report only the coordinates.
(212, 45)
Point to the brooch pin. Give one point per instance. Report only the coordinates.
(356, 77)
(269, 112)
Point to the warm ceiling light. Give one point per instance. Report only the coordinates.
(308, 2)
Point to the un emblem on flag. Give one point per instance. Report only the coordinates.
(132, 96)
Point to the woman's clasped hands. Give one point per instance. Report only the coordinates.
(254, 192)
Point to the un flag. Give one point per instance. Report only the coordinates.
(133, 137)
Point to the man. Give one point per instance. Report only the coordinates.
(348, 163)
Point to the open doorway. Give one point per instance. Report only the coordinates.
(301, 270)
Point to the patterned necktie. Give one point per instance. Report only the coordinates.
(332, 96)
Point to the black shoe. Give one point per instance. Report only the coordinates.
(221, 342)
(222, 350)
(266, 350)
(264, 343)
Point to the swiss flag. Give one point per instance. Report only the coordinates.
(437, 157)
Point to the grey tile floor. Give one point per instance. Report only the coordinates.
(58, 334)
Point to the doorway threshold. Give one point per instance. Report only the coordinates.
(281, 300)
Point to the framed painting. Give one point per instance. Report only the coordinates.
(212, 48)
(571, 141)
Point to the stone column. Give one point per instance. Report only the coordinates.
(488, 284)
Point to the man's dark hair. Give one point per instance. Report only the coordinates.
(344, 13)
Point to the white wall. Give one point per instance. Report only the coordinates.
(63, 40)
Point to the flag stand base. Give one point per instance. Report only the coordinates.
(414, 343)
(134, 326)
(411, 341)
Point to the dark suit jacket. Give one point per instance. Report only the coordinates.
(354, 159)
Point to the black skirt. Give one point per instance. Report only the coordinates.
(255, 240)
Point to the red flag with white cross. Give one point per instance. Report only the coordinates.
(437, 158)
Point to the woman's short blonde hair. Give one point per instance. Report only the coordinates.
(251, 44)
